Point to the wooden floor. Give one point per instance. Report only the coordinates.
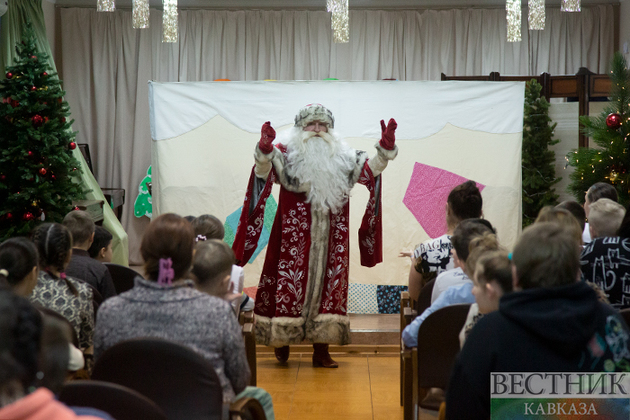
(363, 387)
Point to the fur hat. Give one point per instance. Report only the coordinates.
(314, 112)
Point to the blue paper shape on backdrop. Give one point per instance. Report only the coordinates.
(231, 224)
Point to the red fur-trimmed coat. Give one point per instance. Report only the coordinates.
(303, 288)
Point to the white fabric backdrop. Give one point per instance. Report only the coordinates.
(473, 129)
(105, 63)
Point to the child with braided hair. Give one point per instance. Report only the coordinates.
(20, 342)
(65, 295)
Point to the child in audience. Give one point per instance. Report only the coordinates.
(462, 244)
(562, 217)
(576, 210)
(167, 305)
(212, 268)
(605, 218)
(81, 265)
(551, 322)
(20, 339)
(461, 293)
(594, 193)
(492, 279)
(101, 248)
(433, 256)
(19, 265)
(208, 227)
(54, 290)
(605, 262)
(19, 271)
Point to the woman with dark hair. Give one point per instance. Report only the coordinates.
(19, 265)
(167, 305)
(65, 295)
(433, 256)
(20, 340)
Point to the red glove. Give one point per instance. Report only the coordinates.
(267, 135)
(387, 134)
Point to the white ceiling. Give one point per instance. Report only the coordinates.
(321, 4)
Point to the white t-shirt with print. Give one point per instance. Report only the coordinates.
(446, 279)
(435, 254)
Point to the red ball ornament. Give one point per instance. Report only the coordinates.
(9, 216)
(53, 177)
(44, 74)
(28, 216)
(9, 75)
(72, 145)
(34, 57)
(37, 120)
(42, 171)
(33, 88)
(63, 120)
(14, 104)
(613, 121)
(3, 177)
(76, 208)
(29, 153)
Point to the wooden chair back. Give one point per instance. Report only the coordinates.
(247, 409)
(120, 402)
(438, 345)
(177, 379)
(424, 298)
(250, 350)
(123, 277)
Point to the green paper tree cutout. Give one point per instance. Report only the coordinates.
(609, 161)
(37, 169)
(144, 203)
(539, 174)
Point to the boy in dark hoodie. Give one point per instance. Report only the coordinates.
(551, 323)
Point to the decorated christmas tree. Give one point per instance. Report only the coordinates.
(36, 143)
(539, 174)
(609, 160)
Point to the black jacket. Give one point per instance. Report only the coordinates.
(560, 329)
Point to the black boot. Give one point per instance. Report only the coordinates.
(282, 353)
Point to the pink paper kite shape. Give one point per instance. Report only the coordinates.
(426, 196)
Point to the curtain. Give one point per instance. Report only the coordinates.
(13, 22)
(107, 63)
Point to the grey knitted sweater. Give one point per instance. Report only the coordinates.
(182, 314)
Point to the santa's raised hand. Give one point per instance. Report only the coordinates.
(388, 137)
(267, 136)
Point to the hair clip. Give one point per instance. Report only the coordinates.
(200, 238)
(166, 273)
(4, 272)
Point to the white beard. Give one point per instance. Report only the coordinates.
(324, 161)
